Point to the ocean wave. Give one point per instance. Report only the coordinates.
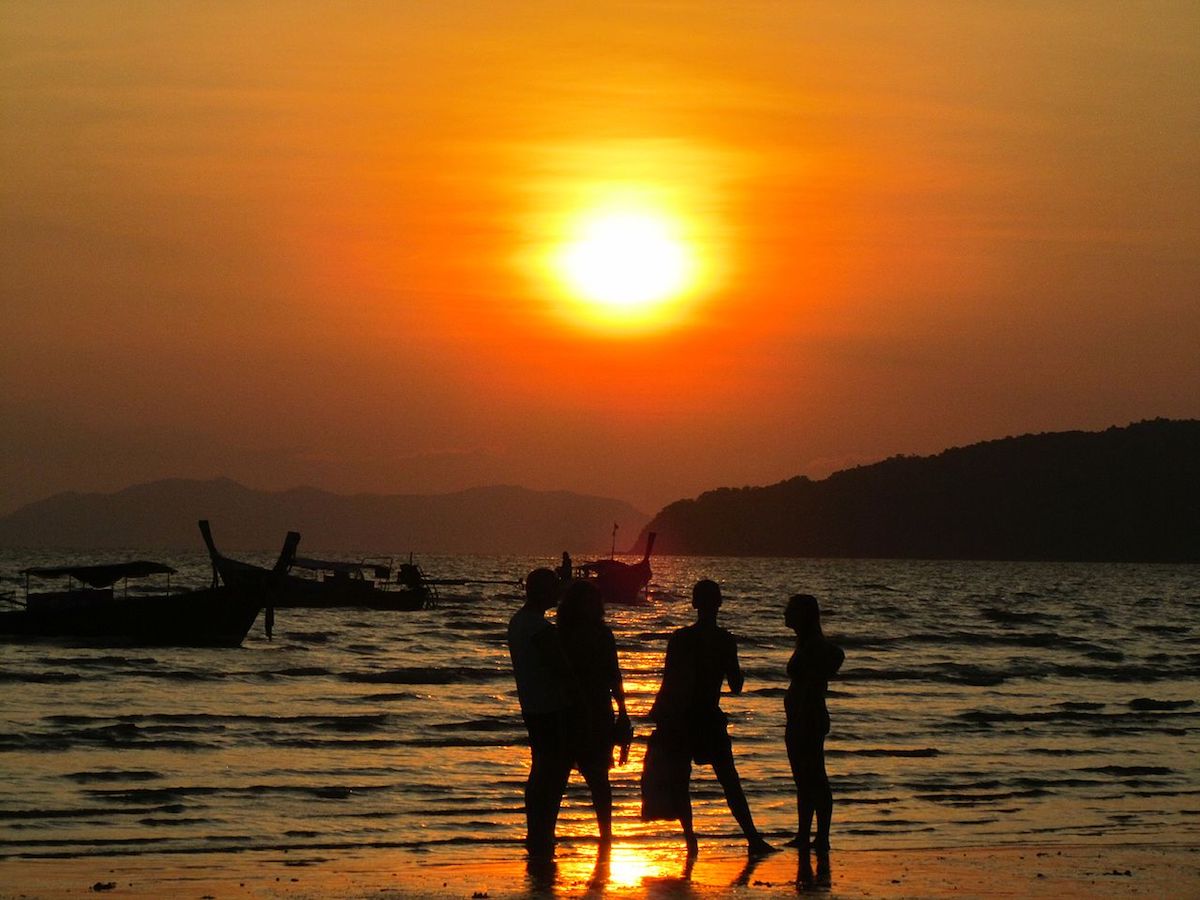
(946, 673)
(1147, 704)
(1012, 616)
(1128, 673)
(179, 794)
(310, 637)
(114, 737)
(428, 675)
(97, 661)
(968, 798)
(1087, 717)
(490, 724)
(1125, 771)
(40, 677)
(174, 821)
(1171, 630)
(113, 775)
(84, 813)
(899, 752)
(385, 697)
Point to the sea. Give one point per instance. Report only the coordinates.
(980, 704)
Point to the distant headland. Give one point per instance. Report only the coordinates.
(1124, 494)
(163, 515)
(1128, 494)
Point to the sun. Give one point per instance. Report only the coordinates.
(626, 266)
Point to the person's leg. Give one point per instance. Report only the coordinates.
(802, 776)
(539, 789)
(550, 767)
(689, 833)
(595, 773)
(822, 797)
(735, 797)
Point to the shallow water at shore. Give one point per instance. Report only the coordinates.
(980, 704)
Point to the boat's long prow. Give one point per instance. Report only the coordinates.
(226, 569)
(649, 546)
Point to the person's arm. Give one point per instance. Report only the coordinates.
(733, 670)
(837, 656)
(618, 684)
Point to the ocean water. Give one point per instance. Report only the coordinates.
(980, 704)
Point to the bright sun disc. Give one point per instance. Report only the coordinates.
(625, 263)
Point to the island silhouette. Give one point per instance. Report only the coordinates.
(1126, 494)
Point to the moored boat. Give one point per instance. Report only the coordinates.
(93, 611)
(309, 582)
(364, 584)
(621, 582)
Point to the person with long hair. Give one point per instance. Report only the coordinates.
(591, 652)
(814, 661)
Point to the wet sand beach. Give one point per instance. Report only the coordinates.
(634, 871)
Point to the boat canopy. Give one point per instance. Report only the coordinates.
(345, 568)
(101, 576)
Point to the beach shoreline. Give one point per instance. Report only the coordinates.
(633, 871)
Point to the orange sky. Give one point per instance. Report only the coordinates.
(298, 245)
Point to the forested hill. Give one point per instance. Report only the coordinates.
(1125, 494)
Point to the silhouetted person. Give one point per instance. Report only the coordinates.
(591, 653)
(540, 668)
(690, 725)
(813, 663)
(566, 571)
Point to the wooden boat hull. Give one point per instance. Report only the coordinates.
(281, 590)
(619, 582)
(212, 617)
(305, 593)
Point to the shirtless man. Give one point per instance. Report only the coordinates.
(690, 725)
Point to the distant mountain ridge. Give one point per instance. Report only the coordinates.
(1125, 494)
(163, 515)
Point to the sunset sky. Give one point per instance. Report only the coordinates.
(331, 243)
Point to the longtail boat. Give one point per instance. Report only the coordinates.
(620, 582)
(92, 610)
(310, 582)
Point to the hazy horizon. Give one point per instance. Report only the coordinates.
(370, 249)
(647, 513)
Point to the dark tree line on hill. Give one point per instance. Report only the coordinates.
(1125, 494)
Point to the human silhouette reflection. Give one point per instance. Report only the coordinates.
(690, 725)
(814, 661)
(591, 652)
(600, 872)
(542, 674)
(540, 873)
(744, 876)
(668, 886)
(807, 879)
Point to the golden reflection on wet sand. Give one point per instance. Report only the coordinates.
(662, 868)
(624, 866)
